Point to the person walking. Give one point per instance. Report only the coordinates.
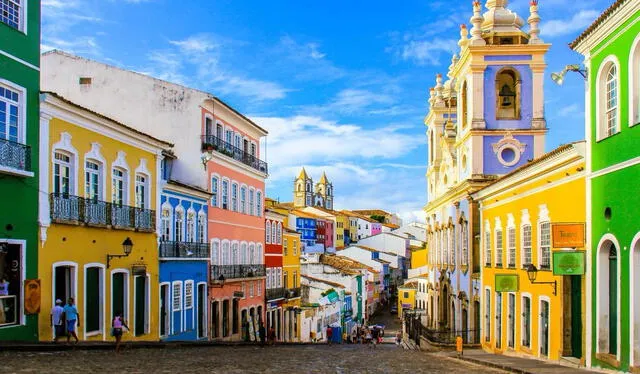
(72, 317)
(329, 334)
(374, 337)
(56, 320)
(117, 324)
(262, 333)
(272, 336)
(398, 337)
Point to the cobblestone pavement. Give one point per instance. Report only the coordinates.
(242, 359)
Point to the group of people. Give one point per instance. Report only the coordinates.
(369, 335)
(65, 320)
(266, 336)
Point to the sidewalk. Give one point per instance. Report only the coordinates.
(516, 364)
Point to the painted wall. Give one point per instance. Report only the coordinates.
(490, 159)
(490, 100)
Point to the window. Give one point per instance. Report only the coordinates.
(226, 255)
(188, 295)
(487, 315)
(118, 188)
(234, 253)
(634, 83)
(464, 104)
(295, 279)
(229, 137)
(251, 207)
(243, 253)
(177, 297)
(165, 223)
(259, 288)
(511, 247)
(611, 105)
(526, 320)
(507, 94)
(202, 231)
(215, 252)
(295, 247)
(12, 13)
(452, 245)
(279, 277)
(141, 191)
(465, 243)
(279, 233)
(250, 289)
(243, 200)
(608, 96)
(285, 279)
(259, 203)
(61, 173)
(274, 228)
(259, 258)
(9, 111)
(545, 245)
(526, 245)
(253, 149)
(234, 197)
(268, 280)
(284, 247)
(179, 224)
(499, 248)
(225, 194)
(11, 263)
(268, 232)
(92, 181)
(252, 254)
(214, 191)
(191, 226)
(238, 142)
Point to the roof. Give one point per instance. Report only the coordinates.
(291, 232)
(303, 174)
(63, 53)
(330, 283)
(323, 178)
(302, 214)
(345, 264)
(188, 186)
(358, 215)
(381, 261)
(391, 225)
(328, 211)
(370, 249)
(128, 128)
(271, 211)
(410, 285)
(416, 248)
(603, 17)
(373, 212)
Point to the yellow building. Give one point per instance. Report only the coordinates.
(342, 230)
(520, 213)
(407, 297)
(98, 244)
(418, 256)
(291, 251)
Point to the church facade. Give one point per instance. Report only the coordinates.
(305, 194)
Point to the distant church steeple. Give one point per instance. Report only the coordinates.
(306, 194)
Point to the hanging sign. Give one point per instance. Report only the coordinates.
(506, 282)
(32, 296)
(568, 262)
(567, 235)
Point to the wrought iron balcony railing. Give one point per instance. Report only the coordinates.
(276, 293)
(213, 143)
(224, 272)
(71, 209)
(292, 293)
(15, 155)
(184, 250)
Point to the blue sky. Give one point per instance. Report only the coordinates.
(341, 86)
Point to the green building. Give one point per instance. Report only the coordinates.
(611, 46)
(19, 124)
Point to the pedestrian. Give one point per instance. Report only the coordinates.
(459, 346)
(354, 335)
(368, 337)
(72, 318)
(116, 329)
(56, 320)
(272, 336)
(329, 334)
(262, 333)
(375, 334)
(398, 337)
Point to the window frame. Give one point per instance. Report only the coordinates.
(225, 190)
(22, 16)
(69, 164)
(634, 82)
(267, 232)
(498, 239)
(234, 196)
(179, 230)
(215, 191)
(115, 181)
(166, 222)
(144, 188)
(88, 174)
(601, 98)
(20, 104)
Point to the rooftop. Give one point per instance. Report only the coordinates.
(330, 283)
(600, 20)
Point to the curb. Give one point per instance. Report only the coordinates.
(492, 365)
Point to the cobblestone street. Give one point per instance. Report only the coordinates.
(244, 359)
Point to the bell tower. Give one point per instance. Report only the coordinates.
(324, 192)
(302, 190)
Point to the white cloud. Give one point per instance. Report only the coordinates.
(428, 52)
(353, 100)
(195, 44)
(59, 21)
(578, 22)
(573, 110)
(311, 64)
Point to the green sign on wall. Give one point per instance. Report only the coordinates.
(568, 262)
(506, 282)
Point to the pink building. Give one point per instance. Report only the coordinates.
(230, 143)
(376, 228)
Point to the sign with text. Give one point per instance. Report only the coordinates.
(567, 235)
(568, 262)
(506, 282)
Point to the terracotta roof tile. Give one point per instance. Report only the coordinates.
(330, 283)
(603, 17)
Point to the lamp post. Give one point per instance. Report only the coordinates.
(559, 77)
(532, 274)
(205, 157)
(127, 246)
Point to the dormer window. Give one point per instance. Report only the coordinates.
(508, 94)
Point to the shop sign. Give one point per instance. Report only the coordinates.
(567, 235)
(238, 294)
(568, 262)
(506, 282)
(32, 296)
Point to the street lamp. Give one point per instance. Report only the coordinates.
(532, 274)
(205, 157)
(559, 77)
(127, 247)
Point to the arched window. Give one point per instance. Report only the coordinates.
(259, 255)
(165, 222)
(274, 227)
(507, 94)
(191, 226)
(634, 83)
(215, 252)
(226, 255)
(179, 219)
(243, 200)
(252, 253)
(464, 103)
(63, 183)
(279, 233)
(268, 232)
(234, 253)
(202, 227)
(611, 104)
(142, 191)
(608, 99)
(243, 253)
(119, 186)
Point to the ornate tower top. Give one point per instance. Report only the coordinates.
(303, 174)
(323, 178)
(499, 19)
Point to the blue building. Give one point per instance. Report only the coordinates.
(184, 262)
(307, 227)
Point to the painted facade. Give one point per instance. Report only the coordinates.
(275, 281)
(184, 255)
(291, 252)
(485, 120)
(98, 190)
(19, 153)
(517, 212)
(611, 47)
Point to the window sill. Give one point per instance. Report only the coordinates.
(16, 172)
(607, 137)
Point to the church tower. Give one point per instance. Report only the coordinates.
(324, 193)
(303, 190)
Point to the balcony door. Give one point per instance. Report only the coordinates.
(164, 310)
(202, 305)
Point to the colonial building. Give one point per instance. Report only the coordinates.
(532, 276)
(99, 193)
(275, 287)
(485, 120)
(611, 46)
(19, 90)
(306, 194)
(291, 252)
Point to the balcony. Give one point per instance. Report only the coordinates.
(293, 293)
(219, 273)
(213, 143)
(275, 293)
(77, 210)
(15, 157)
(184, 250)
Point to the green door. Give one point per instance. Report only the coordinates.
(140, 305)
(92, 300)
(613, 301)
(117, 290)
(576, 316)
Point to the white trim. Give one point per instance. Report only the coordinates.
(524, 295)
(22, 108)
(261, 228)
(125, 312)
(147, 304)
(17, 59)
(121, 163)
(600, 99)
(542, 298)
(73, 265)
(204, 311)
(543, 217)
(168, 325)
(634, 296)
(614, 240)
(23, 266)
(65, 145)
(616, 167)
(588, 247)
(101, 298)
(634, 82)
(603, 30)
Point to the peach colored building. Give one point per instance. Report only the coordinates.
(231, 153)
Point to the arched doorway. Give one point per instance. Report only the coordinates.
(452, 325)
(607, 296)
(444, 315)
(635, 304)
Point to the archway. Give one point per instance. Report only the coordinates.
(607, 296)
(635, 301)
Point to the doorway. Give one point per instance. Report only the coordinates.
(465, 333)
(498, 320)
(64, 284)
(201, 320)
(215, 315)
(511, 328)
(140, 303)
(164, 310)
(544, 328)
